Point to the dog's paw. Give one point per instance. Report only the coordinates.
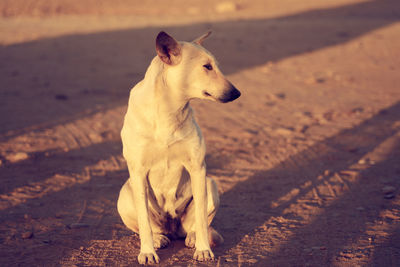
(190, 240)
(214, 237)
(148, 258)
(160, 241)
(203, 255)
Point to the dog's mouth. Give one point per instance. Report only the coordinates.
(207, 94)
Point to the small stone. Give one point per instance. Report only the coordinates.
(389, 196)
(252, 261)
(302, 128)
(388, 189)
(362, 161)
(366, 161)
(353, 149)
(280, 95)
(357, 110)
(327, 172)
(225, 7)
(360, 208)
(27, 235)
(283, 131)
(349, 172)
(18, 156)
(95, 137)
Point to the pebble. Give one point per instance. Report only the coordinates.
(388, 189)
(389, 196)
(252, 261)
(349, 172)
(283, 131)
(360, 208)
(366, 161)
(225, 7)
(302, 128)
(357, 110)
(353, 149)
(280, 95)
(327, 172)
(18, 156)
(311, 80)
(27, 235)
(362, 162)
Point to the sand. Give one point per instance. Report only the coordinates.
(307, 160)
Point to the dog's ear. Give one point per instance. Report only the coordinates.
(200, 40)
(168, 49)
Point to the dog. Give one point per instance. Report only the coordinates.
(167, 194)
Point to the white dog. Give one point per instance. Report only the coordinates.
(168, 194)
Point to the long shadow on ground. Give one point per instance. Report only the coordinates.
(78, 75)
(246, 207)
(74, 80)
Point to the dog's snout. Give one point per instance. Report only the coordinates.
(229, 95)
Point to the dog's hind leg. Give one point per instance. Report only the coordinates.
(188, 220)
(126, 208)
(128, 213)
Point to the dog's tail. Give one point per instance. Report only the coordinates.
(214, 237)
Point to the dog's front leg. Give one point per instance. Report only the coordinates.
(138, 182)
(198, 180)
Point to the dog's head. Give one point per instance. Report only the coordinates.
(191, 68)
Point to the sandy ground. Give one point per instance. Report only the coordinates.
(307, 161)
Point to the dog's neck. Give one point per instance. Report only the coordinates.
(171, 108)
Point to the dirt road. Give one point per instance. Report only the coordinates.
(307, 161)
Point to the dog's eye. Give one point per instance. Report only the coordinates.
(208, 66)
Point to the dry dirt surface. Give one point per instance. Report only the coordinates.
(307, 161)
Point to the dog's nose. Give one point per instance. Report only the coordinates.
(230, 95)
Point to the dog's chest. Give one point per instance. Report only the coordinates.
(165, 173)
(168, 181)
